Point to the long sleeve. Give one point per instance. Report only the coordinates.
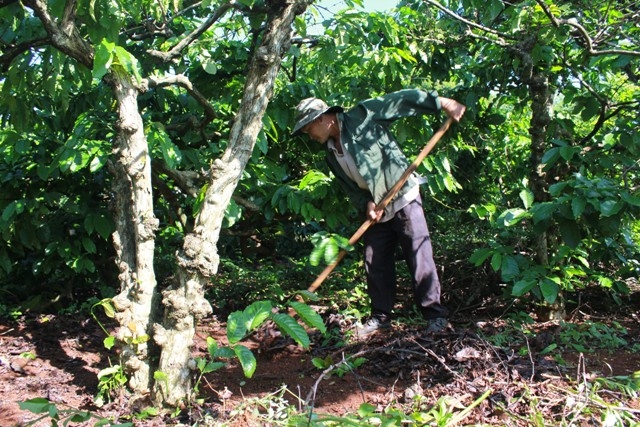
(403, 103)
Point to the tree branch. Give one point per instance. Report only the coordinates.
(183, 81)
(589, 41)
(584, 33)
(189, 182)
(12, 52)
(195, 34)
(68, 18)
(467, 22)
(66, 37)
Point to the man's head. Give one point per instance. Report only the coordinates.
(310, 111)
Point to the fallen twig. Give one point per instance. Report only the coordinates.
(311, 397)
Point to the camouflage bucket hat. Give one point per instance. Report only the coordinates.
(308, 110)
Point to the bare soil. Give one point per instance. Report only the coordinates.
(403, 367)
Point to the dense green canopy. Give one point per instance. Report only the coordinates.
(540, 180)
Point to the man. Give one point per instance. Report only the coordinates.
(367, 161)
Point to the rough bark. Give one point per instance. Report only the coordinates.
(64, 35)
(185, 304)
(134, 238)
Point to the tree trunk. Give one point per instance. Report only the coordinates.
(540, 119)
(185, 304)
(134, 237)
(538, 83)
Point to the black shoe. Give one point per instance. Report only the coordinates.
(370, 327)
(438, 325)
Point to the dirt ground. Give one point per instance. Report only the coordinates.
(401, 364)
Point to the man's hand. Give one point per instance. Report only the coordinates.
(372, 213)
(452, 108)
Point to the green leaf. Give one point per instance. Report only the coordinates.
(212, 366)
(309, 316)
(107, 372)
(88, 245)
(98, 162)
(212, 346)
(236, 327)
(200, 362)
(551, 156)
(104, 225)
(578, 204)
(521, 287)
(224, 353)
(496, 261)
(107, 306)
(262, 142)
(480, 255)
(570, 233)
(591, 109)
(483, 211)
(308, 296)
(218, 352)
(232, 214)
(160, 376)
(549, 348)
(494, 9)
(44, 171)
(632, 200)
(37, 405)
(556, 189)
(312, 178)
(128, 62)
(318, 252)
(102, 59)
(80, 417)
(210, 67)
(580, 348)
(247, 360)
(9, 211)
(5, 261)
(527, 198)
(197, 204)
(567, 152)
(331, 251)
(509, 268)
(366, 410)
(406, 55)
(321, 363)
(22, 146)
(157, 137)
(109, 342)
(543, 211)
(256, 314)
(550, 290)
(610, 207)
(511, 217)
(290, 327)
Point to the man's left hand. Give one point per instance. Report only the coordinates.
(372, 213)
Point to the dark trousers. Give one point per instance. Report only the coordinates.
(409, 229)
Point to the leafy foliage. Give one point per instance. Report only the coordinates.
(52, 413)
(241, 323)
(543, 169)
